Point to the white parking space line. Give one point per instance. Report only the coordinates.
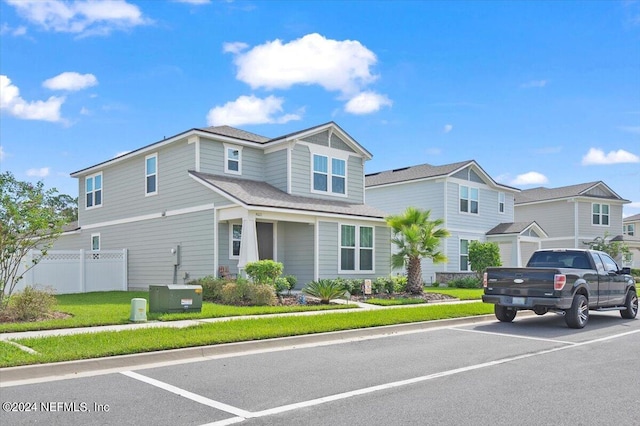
(241, 415)
(516, 336)
(186, 394)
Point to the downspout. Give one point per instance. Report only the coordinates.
(316, 249)
(216, 247)
(576, 227)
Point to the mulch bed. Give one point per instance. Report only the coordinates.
(294, 300)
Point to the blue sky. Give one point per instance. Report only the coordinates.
(539, 93)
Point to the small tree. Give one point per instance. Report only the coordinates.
(615, 249)
(482, 256)
(29, 219)
(264, 271)
(416, 237)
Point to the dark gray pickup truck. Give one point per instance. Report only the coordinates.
(566, 281)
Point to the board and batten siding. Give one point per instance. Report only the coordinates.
(275, 169)
(123, 187)
(149, 245)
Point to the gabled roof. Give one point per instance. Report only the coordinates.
(516, 228)
(256, 194)
(232, 134)
(425, 171)
(580, 190)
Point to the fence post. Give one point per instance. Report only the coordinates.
(125, 277)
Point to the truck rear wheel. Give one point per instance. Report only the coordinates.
(504, 314)
(578, 315)
(631, 303)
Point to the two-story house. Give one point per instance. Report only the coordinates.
(572, 215)
(472, 205)
(219, 197)
(631, 237)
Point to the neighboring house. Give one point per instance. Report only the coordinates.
(472, 205)
(212, 199)
(572, 215)
(631, 236)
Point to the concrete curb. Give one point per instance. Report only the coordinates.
(12, 376)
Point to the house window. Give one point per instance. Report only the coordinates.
(329, 176)
(95, 242)
(151, 174)
(93, 190)
(232, 159)
(468, 199)
(629, 229)
(236, 236)
(500, 202)
(600, 214)
(356, 248)
(464, 255)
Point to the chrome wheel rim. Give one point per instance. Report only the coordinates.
(583, 313)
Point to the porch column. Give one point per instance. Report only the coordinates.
(248, 242)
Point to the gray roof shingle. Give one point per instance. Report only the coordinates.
(261, 194)
(546, 194)
(509, 228)
(232, 132)
(412, 173)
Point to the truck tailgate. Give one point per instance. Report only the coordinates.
(530, 282)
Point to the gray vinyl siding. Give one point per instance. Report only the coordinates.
(321, 139)
(123, 185)
(298, 255)
(488, 216)
(223, 248)
(73, 241)
(382, 250)
(394, 199)
(301, 177)
(328, 249)
(586, 229)
(253, 164)
(338, 143)
(275, 169)
(211, 157)
(556, 218)
(149, 245)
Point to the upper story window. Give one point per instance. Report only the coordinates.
(329, 176)
(233, 159)
(629, 229)
(356, 248)
(501, 202)
(600, 214)
(93, 190)
(468, 199)
(151, 174)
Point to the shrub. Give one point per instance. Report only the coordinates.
(235, 293)
(466, 282)
(325, 290)
(353, 286)
(262, 295)
(30, 304)
(264, 271)
(482, 256)
(292, 280)
(282, 285)
(211, 287)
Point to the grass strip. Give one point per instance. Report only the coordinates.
(395, 302)
(94, 345)
(459, 293)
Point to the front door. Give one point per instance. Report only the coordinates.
(265, 240)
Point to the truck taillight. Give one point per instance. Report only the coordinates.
(484, 280)
(559, 280)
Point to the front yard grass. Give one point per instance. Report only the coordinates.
(101, 344)
(113, 307)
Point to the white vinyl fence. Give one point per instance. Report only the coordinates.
(77, 271)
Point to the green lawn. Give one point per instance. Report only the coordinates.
(114, 307)
(93, 345)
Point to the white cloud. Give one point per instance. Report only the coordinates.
(193, 2)
(530, 178)
(13, 104)
(42, 172)
(235, 47)
(343, 66)
(366, 103)
(71, 81)
(533, 84)
(18, 31)
(84, 17)
(85, 111)
(447, 128)
(250, 110)
(597, 156)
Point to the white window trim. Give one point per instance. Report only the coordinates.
(502, 201)
(147, 174)
(94, 206)
(231, 240)
(329, 174)
(629, 229)
(357, 250)
(238, 148)
(469, 240)
(469, 188)
(600, 215)
(99, 241)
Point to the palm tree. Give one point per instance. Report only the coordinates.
(416, 237)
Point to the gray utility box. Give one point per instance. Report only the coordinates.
(174, 298)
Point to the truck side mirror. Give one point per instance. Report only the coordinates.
(626, 271)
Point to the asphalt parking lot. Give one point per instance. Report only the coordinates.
(533, 371)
